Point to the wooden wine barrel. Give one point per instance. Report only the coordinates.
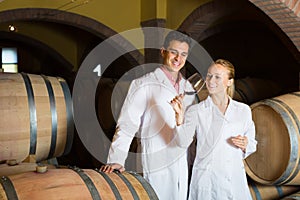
(294, 196)
(36, 117)
(75, 183)
(250, 90)
(270, 192)
(277, 122)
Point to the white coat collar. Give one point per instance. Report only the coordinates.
(161, 77)
(208, 103)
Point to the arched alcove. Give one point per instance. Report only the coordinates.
(249, 35)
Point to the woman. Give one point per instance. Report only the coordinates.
(225, 136)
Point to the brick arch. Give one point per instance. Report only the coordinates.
(283, 18)
(71, 19)
(286, 14)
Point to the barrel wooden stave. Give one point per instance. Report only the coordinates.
(11, 125)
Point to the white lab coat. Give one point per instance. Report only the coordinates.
(218, 171)
(146, 110)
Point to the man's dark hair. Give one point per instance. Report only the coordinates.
(178, 36)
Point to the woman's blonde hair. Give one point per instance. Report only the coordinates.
(231, 73)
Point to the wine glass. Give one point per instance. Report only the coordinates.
(196, 81)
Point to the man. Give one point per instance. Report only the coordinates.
(146, 111)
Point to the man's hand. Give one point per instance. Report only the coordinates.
(109, 168)
(177, 104)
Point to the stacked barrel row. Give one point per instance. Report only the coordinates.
(36, 126)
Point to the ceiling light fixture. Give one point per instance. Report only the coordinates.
(12, 28)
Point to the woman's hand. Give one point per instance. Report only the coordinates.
(177, 104)
(240, 142)
(109, 168)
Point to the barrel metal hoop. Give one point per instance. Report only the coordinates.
(69, 113)
(53, 116)
(294, 116)
(112, 185)
(88, 182)
(32, 114)
(290, 111)
(256, 191)
(280, 192)
(9, 188)
(293, 139)
(151, 193)
(130, 187)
